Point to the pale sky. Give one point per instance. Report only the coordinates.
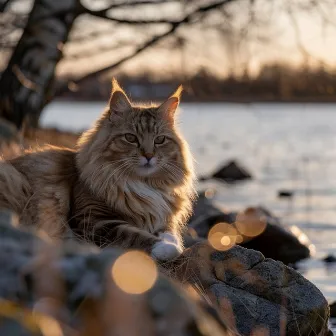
(206, 48)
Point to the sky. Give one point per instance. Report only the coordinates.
(222, 53)
(275, 37)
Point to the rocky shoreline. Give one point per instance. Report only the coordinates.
(209, 290)
(203, 292)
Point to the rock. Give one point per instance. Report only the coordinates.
(279, 243)
(88, 291)
(254, 293)
(285, 193)
(9, 140)
(68, 289)
(8, 131)
(332, 317)
(274, 242)
(333, 310)
(232, 172)
(330, 259)
(205, 215)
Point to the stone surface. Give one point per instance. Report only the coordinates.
(8, 132)
(254, 292)
(274, 242)
(332, 320)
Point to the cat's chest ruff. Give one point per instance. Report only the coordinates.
(151, 206)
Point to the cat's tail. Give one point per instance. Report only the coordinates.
(15, 190)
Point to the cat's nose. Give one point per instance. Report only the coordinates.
(148, 156)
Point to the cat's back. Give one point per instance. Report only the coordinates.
(50, 173)
(46, 165)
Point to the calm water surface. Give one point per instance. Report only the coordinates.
(285, 146)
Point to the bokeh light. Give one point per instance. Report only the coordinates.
(222, 236)
(134, 272)
(49, 326)
(239, 239)
(251, 222)
(303, 239)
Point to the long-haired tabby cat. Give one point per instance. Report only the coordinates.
(129, 182)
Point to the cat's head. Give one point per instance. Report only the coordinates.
(139, 141)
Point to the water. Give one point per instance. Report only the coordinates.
(285, 146)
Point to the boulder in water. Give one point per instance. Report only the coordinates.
(330, 259)
(274, 241)
(232, 172)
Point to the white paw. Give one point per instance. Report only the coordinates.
(169, 238)
(164, 251)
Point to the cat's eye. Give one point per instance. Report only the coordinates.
(160, 140)
(131, 138)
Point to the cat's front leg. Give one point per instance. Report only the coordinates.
(169, 247)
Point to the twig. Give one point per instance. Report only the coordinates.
(103, 12)
(174, 26)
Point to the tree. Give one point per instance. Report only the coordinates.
(28, 82)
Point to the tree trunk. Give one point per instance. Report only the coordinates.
(26, 83)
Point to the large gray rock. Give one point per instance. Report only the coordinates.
(254, 292)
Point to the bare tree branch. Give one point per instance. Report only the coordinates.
(129, 21)
(174, 26)
(129, 4)
(98, 50)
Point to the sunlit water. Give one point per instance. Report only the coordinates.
(285, 146)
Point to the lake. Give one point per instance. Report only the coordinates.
(284, 146)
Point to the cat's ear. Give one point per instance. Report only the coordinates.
(119, 102)
(169, 107)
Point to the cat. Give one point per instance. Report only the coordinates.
(129, 182)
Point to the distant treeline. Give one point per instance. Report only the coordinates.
(275, 82)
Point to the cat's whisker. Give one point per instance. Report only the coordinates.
(172, 170)
(111, 175)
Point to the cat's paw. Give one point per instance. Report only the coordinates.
(164, 251)
(169, 238)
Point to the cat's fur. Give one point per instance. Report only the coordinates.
(110, 190)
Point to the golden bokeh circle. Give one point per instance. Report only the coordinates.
(134, 272)
(251, 222)
(222, 236)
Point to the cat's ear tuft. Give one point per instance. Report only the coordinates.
(169, 107)
(119, 102)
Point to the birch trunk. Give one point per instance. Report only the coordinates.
(25, 84)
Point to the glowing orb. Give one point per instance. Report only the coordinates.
(251, 222)
(222, 236)
(134, 272)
